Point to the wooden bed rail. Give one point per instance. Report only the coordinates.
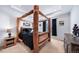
(43, 20)
(43, 15)
(42, 33)
(26, 14)
(43, 37)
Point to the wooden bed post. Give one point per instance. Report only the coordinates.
(17, 31)
(49, 30)
(35, 28)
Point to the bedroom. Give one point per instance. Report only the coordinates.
(64, 16)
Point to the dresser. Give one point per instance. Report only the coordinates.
(71, 43)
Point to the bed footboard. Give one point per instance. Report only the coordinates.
(43, 38)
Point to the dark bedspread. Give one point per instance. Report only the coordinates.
(27, 36)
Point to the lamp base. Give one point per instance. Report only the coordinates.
(9, 34)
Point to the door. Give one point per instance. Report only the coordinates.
(54, 27)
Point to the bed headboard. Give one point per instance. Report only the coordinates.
(26, 29)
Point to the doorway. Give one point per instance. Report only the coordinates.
(54, 27)
(44, 26)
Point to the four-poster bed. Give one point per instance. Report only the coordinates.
(39, 39)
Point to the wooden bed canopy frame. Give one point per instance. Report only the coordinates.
(46, 36)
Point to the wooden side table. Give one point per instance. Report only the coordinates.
(8, 42)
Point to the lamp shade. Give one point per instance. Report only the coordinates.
(9, 28)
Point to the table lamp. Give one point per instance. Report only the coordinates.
(9, 31)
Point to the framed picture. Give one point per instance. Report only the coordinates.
(61, 22)
(26, 24)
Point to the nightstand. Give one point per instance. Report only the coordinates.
(9, 41)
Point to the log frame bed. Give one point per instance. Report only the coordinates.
(46, 36)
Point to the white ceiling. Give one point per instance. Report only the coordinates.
(43, 8)
(49, 10)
